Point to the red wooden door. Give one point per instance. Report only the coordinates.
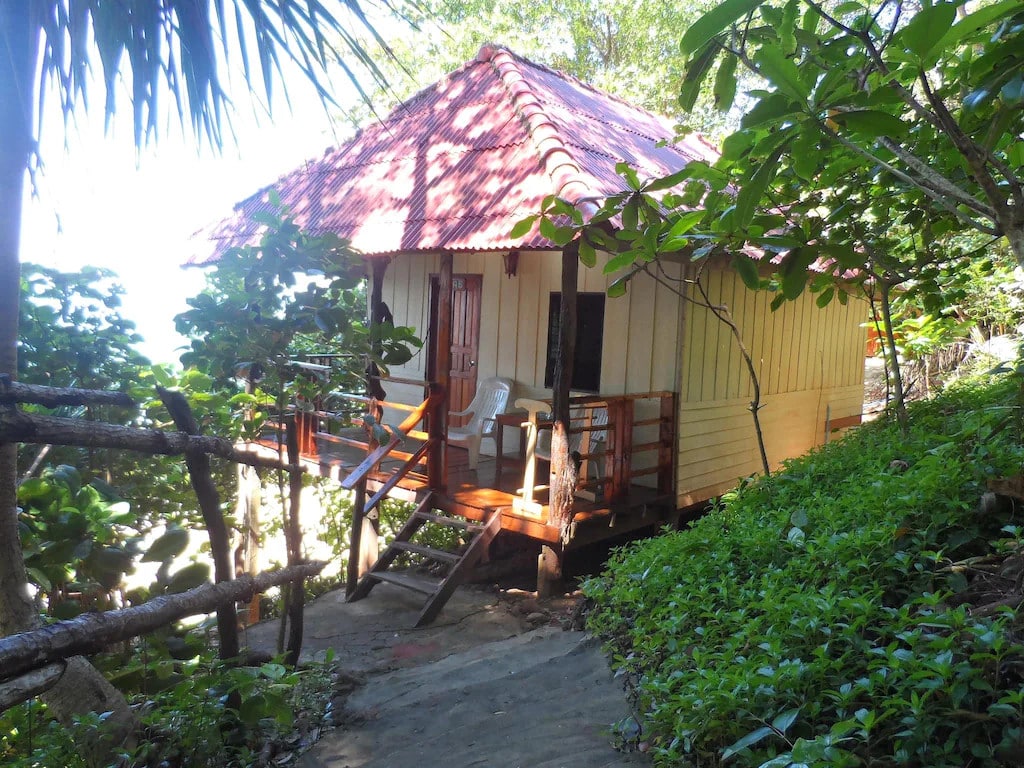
(465, 336)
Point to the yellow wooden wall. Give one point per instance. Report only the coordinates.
(810, 365)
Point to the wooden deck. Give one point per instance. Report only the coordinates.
(474, 494)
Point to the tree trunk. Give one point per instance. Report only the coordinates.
(81, 689)
(564, 470)
(293, 539)
(899, 402)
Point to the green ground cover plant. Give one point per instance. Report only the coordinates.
(843, 612)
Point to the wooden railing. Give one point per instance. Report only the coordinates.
(619, 457)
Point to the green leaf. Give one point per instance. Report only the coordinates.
(747, 269)
(697, 70)
(771, 109)
(825, 297)
(167, 547)
(871, 122)
(667, 182)
(34, 488)
(747, 741)
(925, 31)
(189, 577)
(753, 191)
(794, 271)
(523, 227)
(973, 23)
(618, 288)
(619, 261)
(725, 82)
(588, 254)
(783, 721)
(715, 21)
(781, 72)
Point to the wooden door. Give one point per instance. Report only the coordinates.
(465, 339)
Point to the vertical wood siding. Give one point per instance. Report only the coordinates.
(811, 367)
(809, 359)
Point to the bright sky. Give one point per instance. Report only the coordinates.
(101, 202)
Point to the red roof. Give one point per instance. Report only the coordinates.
(456, 166)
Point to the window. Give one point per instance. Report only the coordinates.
(586, 370)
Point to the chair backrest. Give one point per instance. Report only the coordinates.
(491, 398)
(577, 440)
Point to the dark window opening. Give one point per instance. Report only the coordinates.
(586, 370)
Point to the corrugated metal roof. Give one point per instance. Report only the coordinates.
(457, 165)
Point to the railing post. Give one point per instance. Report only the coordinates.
(667, 449)
(624, 454)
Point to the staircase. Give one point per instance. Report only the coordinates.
(455, 565)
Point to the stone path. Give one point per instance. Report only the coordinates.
(482, 686)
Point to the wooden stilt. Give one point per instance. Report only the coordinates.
(549, 571)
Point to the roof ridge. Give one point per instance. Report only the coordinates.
(558, 161)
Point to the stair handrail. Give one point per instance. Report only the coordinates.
(360, 473)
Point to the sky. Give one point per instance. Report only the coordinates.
(99, 201)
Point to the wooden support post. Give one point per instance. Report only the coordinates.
(549, 571)
(355, 540)
(564, 473)
(379, 314)
(442, 366)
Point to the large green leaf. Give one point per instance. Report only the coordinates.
(715, 21)
(871, 122)
(925, 30)
(167, 547)
(782, 72)
(753, 191)
(770, 109)
(747, 269)
(974, 23)
(697, 70)
(725, 82)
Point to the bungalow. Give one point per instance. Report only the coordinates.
(430, 195)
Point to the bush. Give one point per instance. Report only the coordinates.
(822, 617)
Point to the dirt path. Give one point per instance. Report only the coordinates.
(495, 681)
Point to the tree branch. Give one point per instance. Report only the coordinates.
(19, 427)
(935, 195)
(53, 397)
(935, 180)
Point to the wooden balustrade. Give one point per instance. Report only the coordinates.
(621, 456)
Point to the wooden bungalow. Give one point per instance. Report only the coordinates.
(430, 196)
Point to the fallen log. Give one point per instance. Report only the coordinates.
(92, 632)
(19, 427)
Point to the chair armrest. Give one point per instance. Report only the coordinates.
(462, 413)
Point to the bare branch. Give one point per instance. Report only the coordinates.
(53, 397)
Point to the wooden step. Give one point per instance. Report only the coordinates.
(450, 522)
(419, 584)
(439, 555)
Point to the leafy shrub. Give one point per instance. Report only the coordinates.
(187, 719)
(818, 617)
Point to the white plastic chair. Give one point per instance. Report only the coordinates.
(491, 398)
(585, 442)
